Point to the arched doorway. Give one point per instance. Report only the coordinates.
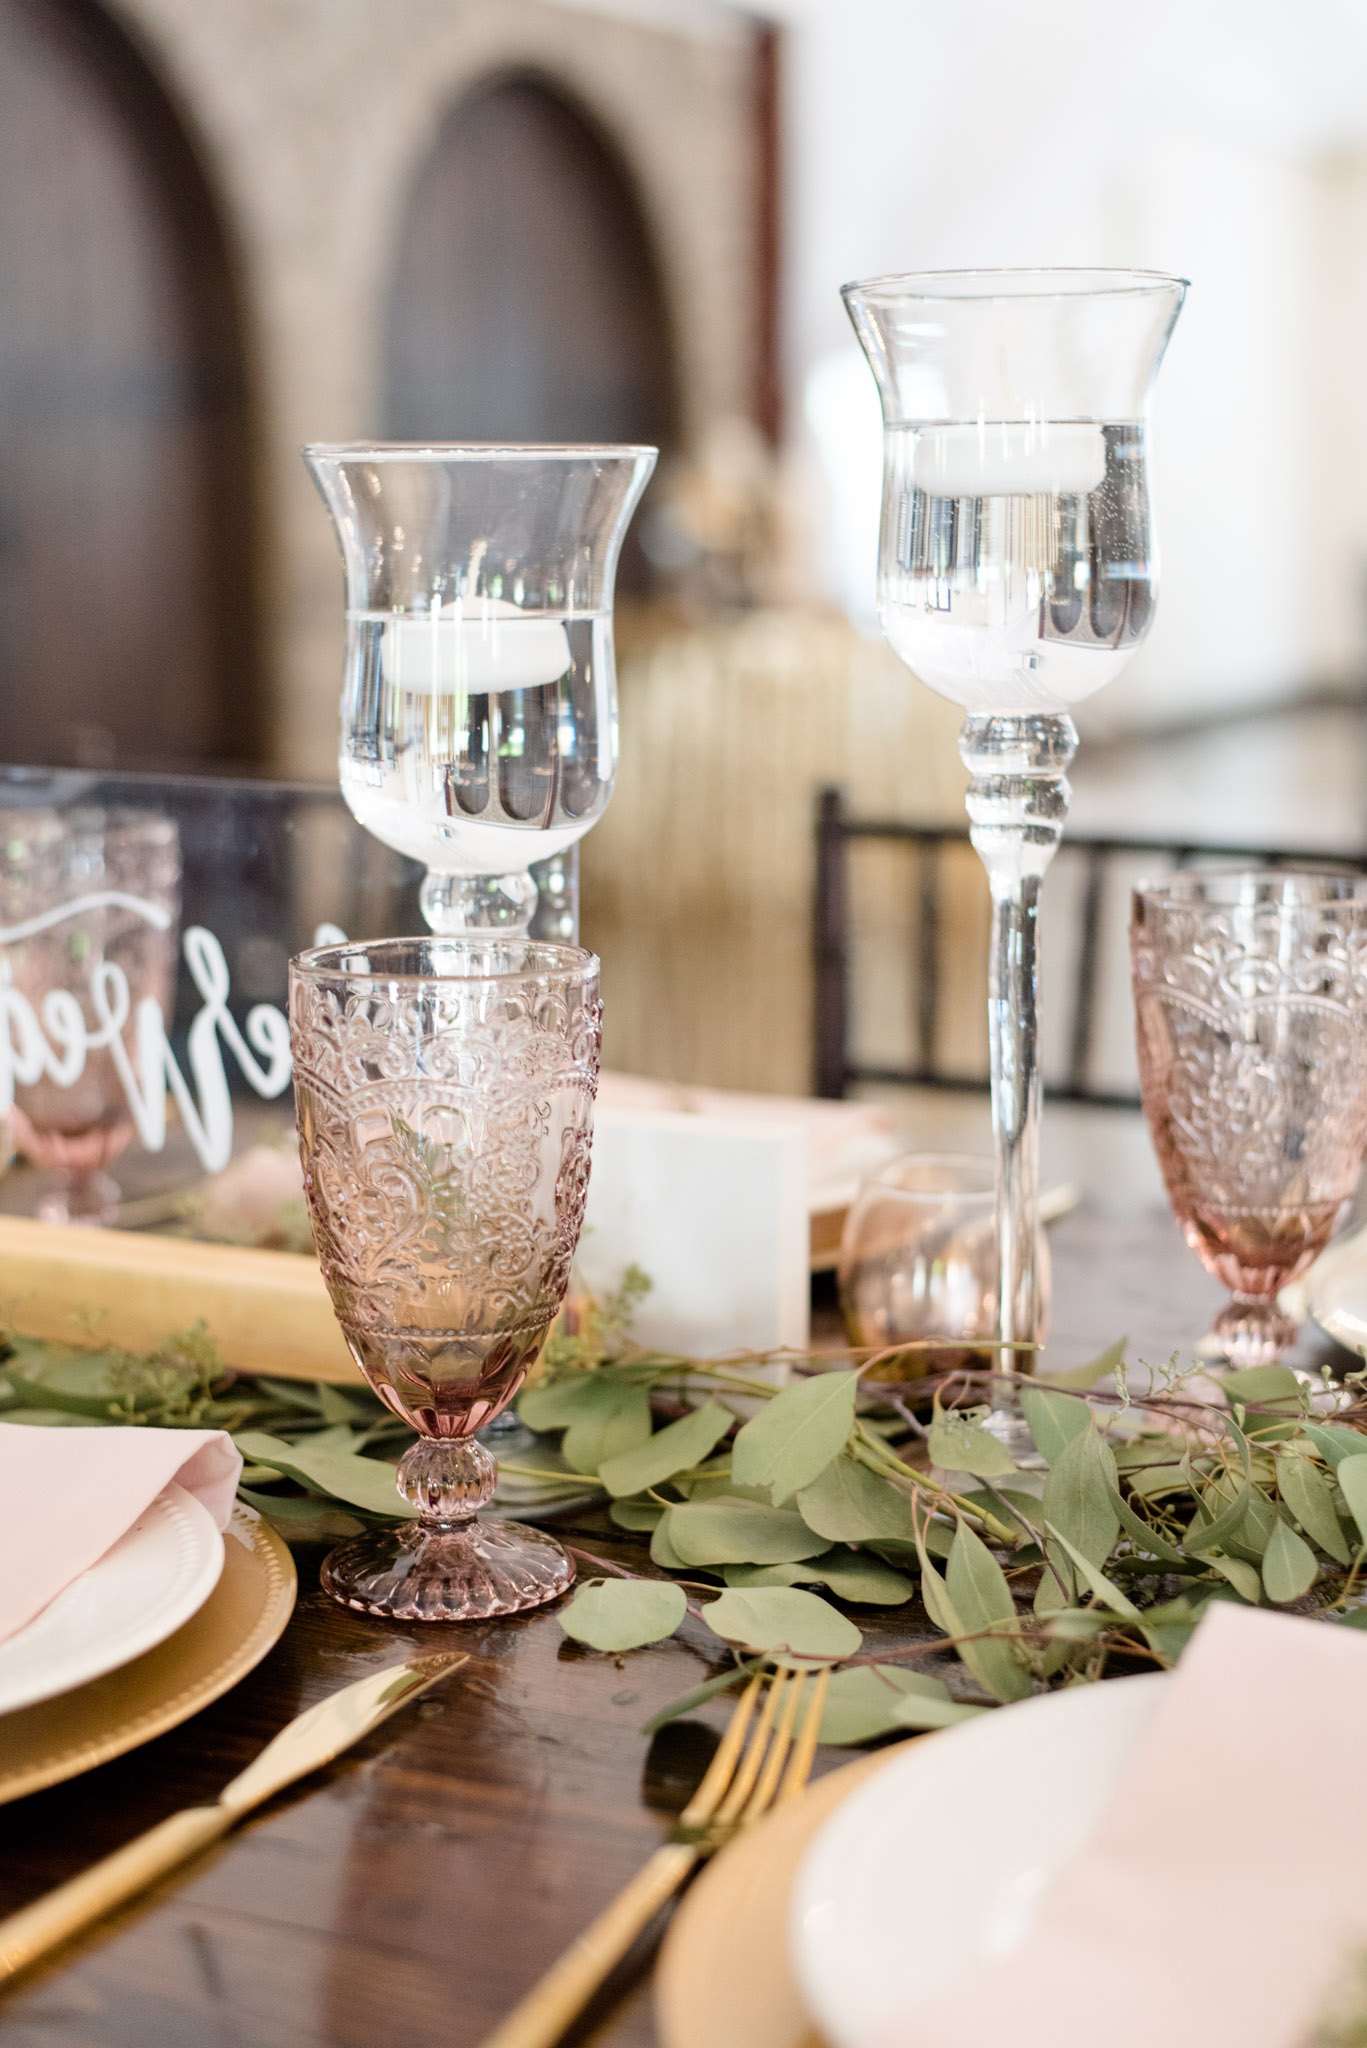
(127, 628)
(527, 302)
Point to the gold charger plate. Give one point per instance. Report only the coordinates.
(723, 1979)
(241, 1619)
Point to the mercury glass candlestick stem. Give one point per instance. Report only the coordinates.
(479, 705)
(1017, 575)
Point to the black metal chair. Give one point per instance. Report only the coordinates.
(1093, 868)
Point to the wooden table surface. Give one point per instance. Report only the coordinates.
(412, 1891)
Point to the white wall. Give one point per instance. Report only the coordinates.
(1224, 139)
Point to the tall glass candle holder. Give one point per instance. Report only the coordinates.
(479, 702)
(1017, 575)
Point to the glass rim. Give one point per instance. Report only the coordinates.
(1064, 282)
(475, 451)
(566, 966)
(1169, 889)
(955, 1161)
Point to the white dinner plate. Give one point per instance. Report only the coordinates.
(139, 1593)
(1334, 1292)
(939, 1863)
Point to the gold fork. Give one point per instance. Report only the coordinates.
(743, 1781)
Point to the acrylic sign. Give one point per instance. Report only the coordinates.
(57, 1039)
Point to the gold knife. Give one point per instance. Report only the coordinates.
(311, 1740)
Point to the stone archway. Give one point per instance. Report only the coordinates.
(527, 301)
(127, 620)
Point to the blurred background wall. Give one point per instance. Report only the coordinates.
(230, 226)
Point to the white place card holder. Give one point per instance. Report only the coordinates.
(715, 1212)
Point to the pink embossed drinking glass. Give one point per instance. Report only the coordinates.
(1250, 996)
(444, 1090)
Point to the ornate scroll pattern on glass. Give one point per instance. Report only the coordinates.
(445, 1118)
(1251, 1011)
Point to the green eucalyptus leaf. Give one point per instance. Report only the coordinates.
(957, 1444)
(1168, 1629)
(1244, 1579)
(662, 1551)
(1096, 1581)
(919, 1712)
(49, 1418)
(44, 1394)
(1356, 1617)
(1076, 1625)
(335, 1404)
(561, 1402)
(980, 1596)
(1078, 1494)
(1335, 1441)
(287, 1507)
(863, 1702)
(1084, 1376)
(1307, 1493)
(676, 1448)
(850, 1576)
(1133, 1454)
(636, 1514)
(1352, 1478)
(1228, 1521)
(1050, 1597)
(1264, 1385)
(367, 1483)
(1053, 1420)
(1289, 1564)
(1155, 1482)
(708, 1532)
(1007, 1505)
(782, 1621)
(622, 1614)
(795, 1436)
(1139, 1532)
(712, 1484)
(1255, 1531)
(617, 1425)
(899, 1551)
(305, 1395)
(934, 1592)
(850, 1504)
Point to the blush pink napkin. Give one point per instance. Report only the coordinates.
(1223, 1892)
(66, 1495)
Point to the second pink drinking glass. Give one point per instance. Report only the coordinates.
(1251, 1016)
(444, 1090)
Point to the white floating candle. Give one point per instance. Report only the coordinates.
(1010, 458)
(472, 646)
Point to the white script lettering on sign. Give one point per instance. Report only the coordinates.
(58, 1038)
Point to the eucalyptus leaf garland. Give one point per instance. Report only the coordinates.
(1100, 1556)
(770, 1488)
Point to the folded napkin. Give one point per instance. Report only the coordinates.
(68, 1495)
(1222, 1895)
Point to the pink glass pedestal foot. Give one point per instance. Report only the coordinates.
(462, 1572)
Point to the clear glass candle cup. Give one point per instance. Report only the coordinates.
(1250, 993)
(1017, 574)
(444, 1090)
(479, 699)
(919, 1265)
